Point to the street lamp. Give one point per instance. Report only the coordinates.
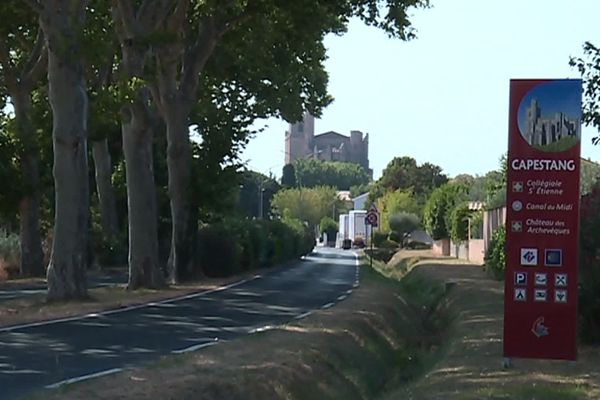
(261, 195)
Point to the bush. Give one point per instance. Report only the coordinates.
(589, 267)
(10, 255)
(441, 201)
(379, 237)
(233, 246)
(403, 223)
(330, 227)
(458, 221)
(495, 258)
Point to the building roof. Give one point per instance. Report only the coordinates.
(361, 196)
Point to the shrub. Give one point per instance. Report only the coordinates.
(379, 237)
(10, 255)
(441, 201)
(495, 258)
(219, 252)
(233, 246)
(329, 226)
(458, 221)
(589, 267)
(404, 223)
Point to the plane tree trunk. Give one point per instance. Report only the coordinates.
(106, 194)
(62, 22)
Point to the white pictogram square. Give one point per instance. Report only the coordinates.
(520, 294)
(560, 296)
(529, 256)
(520, 278)
(560, 280)
(540, 295)
(541, 279)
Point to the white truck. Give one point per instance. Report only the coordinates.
(357, 228)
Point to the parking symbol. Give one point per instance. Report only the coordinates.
(560, 296)
(520, 278)
(540, 295)
(529, 257)
(541, 279)
(560, 280)
(520, 294)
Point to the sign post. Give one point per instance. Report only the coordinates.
(372, 219)
(542, 221)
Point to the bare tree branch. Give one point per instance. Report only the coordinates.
(8, 67)
(177, 18)
(35, 5)
(196, 56)
(38, 69)
(156, 97)
(35, 58)
(152, 13)
(123, 9)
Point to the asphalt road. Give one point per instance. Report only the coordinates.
(93, 282)
(34, 357)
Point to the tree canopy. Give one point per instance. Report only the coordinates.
(341, 175)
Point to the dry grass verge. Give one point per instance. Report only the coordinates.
(371, 341)
(472, 364)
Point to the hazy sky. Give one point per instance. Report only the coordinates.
(443, 98)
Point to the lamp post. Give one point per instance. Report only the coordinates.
(261, 195)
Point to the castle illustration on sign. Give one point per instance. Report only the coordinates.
(302, 143)
(543, 130)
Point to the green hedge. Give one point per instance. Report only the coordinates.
(235, 246)
(495, 258)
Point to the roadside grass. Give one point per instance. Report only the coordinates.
(528, 392)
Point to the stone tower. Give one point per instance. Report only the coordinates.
(299, 138)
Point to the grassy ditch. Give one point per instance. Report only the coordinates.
(385, 334)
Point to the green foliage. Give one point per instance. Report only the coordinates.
(405, 173)
(234, 246)
(438, 207)
(458, 221)
(288, 177)
(476, 223)
(495, 258)
(10, 254)
(590, 175)
(379, 237)
(328, 226)
(589, 68)
(309, 205)
(404, 223)
(340, 175)
(256, 188)
(394, 202)
(589, 268)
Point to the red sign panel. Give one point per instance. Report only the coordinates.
(542, 220)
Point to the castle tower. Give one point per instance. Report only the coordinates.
(299, 138)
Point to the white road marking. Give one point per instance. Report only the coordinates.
(342, 297)
(326, 306)
(261, 329)
(84, 378)
(124, 309)
(303, 315)
(194, 348)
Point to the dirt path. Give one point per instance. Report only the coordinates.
(471, 367)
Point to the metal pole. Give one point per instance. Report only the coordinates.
(371, 255)
(260, 201)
